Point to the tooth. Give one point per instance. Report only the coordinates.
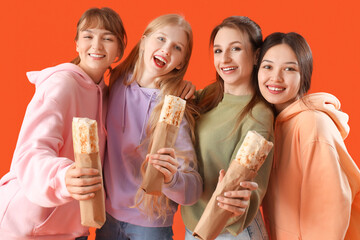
(159, 58)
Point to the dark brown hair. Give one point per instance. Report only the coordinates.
(214, 93)
(302, 51)
(105, 18)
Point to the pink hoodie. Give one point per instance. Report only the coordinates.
(34, 201)
(314, 185)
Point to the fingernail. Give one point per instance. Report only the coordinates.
(220, 198)
(227, 194)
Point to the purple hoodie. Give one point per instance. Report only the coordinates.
(34, 201)
(128, 113)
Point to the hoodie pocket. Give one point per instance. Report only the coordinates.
(7, 192)
(19, 216)
(64, 219)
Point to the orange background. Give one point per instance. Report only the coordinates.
(39, 33)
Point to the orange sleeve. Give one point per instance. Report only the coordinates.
(325, 193)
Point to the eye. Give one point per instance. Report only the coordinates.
(290, 69)
(235, 49)
(177, 47)
(87, 36)
(109, 39)
(266, 67)
(162, 39)
(217, 51)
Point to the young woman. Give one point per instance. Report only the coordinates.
(230, 108)
(38, 195)
(155, 67)
(314, 185)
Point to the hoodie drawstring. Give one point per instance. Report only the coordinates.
(146, 117)
(124, 109)
(101, 110)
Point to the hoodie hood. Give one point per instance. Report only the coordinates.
(323, 102)
(38, 77)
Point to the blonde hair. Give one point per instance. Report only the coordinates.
(104, 18)
(169, 83)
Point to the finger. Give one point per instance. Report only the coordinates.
(83, 197)
(164, 164)
(168, 151)
(85, 181)
(221, 175)
(191, 92)
(236, 202)
(80, 172)
(249, 185)
(166, 172)
(243, 194)
(235, 210)
(84, 189)
(183, 89)
(164, 158)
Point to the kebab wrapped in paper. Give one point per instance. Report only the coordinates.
(165, 134)
(86, 151)
(249, 158)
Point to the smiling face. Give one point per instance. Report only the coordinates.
(98, 49)
(279, 76)
(234, 60)
(164, 50)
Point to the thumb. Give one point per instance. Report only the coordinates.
(221, 175)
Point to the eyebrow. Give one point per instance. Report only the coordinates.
(234, 42)
(264, 60)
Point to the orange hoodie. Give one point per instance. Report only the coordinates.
(314, 186)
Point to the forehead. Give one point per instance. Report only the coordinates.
(282, 53)
(227, 35)
(92, 22)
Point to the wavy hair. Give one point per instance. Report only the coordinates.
(169, 83)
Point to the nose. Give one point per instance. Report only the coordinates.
(166, 49)
(276, 75)
(97, 44)
(226, 57)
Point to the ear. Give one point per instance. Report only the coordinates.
(77, 46)
(142, 42)
(178, 67)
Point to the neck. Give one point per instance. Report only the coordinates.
(238, 89)
(147, 81)
(95, 75)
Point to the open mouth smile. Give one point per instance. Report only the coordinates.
(160, 61)
(228, 69)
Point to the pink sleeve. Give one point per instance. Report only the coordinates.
(37, 162)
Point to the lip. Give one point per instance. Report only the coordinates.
(160, 61)
(96, 56)
(275, 89)
(228, 69)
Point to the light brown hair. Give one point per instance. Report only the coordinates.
(104, 18)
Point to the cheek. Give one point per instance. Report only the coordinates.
(261, 77)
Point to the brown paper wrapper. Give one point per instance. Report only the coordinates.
(164, 136)
(93, 210)
(214, 218)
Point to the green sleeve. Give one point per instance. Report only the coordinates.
(262, 122)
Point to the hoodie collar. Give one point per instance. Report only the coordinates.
(323, 102)
(151, 95)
